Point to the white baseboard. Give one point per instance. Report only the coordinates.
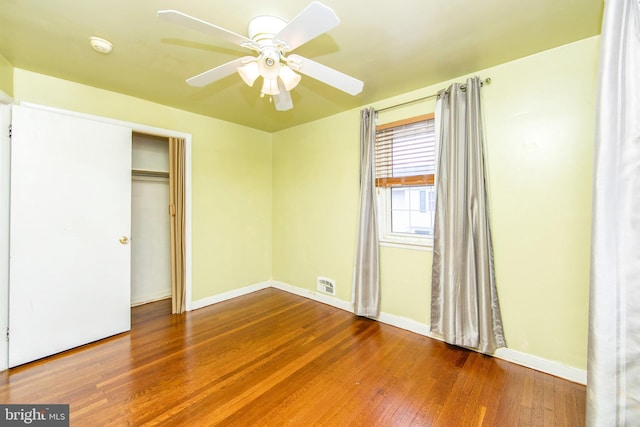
(519, 358)
(149, 298)
(229, 295)
(523, 359)
(316, 296)
(543, 365)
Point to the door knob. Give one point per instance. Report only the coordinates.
(124, 240)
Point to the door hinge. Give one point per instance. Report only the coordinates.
(7, 333)
(10, 129)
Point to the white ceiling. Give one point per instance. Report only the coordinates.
(394, 47)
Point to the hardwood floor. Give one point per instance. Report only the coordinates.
(271, 358)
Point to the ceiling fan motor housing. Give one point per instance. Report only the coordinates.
(264, 28)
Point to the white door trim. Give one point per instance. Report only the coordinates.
(5, 174)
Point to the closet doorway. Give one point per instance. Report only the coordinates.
(150, 221)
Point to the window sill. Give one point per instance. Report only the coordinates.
(416, 246)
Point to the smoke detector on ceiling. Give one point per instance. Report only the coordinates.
(101, 45)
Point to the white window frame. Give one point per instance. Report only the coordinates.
(388, 238)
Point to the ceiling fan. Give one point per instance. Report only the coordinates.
(272, 39)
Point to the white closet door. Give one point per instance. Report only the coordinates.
(70, 223)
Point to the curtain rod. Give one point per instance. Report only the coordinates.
(149, 173)
(464, 86)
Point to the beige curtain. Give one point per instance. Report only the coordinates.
(613, 364)
(464, 301)
(177, 220)
(366, 278)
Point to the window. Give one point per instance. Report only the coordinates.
(405, 168)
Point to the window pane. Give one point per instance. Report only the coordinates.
(412, 210)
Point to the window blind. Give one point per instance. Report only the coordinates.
(405, 152)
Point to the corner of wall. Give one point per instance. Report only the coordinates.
(6, 76)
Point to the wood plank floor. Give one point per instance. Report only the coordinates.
(271, 358)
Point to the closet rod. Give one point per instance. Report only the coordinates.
(464, 86)
(156, 174)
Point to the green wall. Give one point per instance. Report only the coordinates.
(315, 200)
(539, 122)
(231, 179)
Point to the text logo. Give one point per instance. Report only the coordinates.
(34, 415)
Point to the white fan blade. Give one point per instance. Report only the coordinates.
(316, 19)
(188, 21)
(219, 72)
(327, 75)
(283, 100)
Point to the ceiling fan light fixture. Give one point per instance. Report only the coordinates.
(270, 87)
(249, 73)
(269, 64)
(289, 77)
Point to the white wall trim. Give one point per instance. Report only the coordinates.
(519, 358)
(5, 166)
(156, 296)
(5, 192)
(316, 296)
(214, 299)
(543, 365)
(407, 324)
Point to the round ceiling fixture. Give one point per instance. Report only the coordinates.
(101, 45)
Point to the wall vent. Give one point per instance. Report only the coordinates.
(326, 285)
